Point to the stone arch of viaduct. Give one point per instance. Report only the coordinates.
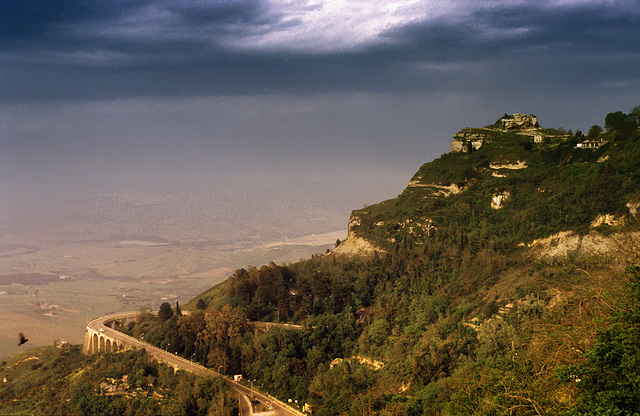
(97, 338)
(98, 342)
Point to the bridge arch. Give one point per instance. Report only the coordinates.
(99, 336)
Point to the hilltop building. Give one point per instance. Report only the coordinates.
(591, 144)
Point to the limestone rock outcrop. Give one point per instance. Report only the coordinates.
(436, 190)
(469, 139)
(519, 122)
(355, 245)
(466, 140)
(497, 202)
(620, 246)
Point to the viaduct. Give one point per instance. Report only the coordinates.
(101, 336)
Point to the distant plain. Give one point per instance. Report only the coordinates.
(54, 274)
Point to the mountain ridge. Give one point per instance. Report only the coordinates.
(503, 168)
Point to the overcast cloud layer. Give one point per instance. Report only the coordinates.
(342, 100)
(106, 49)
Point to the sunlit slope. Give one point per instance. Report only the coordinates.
(508, 192)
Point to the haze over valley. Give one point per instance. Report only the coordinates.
(120, 251)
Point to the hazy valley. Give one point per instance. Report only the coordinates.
(132, 251)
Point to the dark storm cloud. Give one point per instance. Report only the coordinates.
(113, 33)
(533, 48)
(34, 20)
(524, 30)
(106, 49)
(340, 99)
(198, 14)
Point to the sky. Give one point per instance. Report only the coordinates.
(279, 109)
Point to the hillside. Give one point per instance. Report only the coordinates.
(505, 189)
(472, 292)
(503, 280)
(61, 380)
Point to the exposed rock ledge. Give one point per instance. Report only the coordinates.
(369, 362)
(607, 219)
(354, 245)
(519, 122)
(441, 190)
(497, 202)
(566, 242)
(623, 246)
(512, 166)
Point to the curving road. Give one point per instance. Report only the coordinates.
(101, 325)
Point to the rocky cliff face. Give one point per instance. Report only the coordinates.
(355, 245)
(469, 139)
(508, 195)
(519, 123)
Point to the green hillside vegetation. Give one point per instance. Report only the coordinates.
(561, 188)
(452, 316)
(411, 335)
(51, 381)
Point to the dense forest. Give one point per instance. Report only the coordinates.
(456, 316)
(422, 345)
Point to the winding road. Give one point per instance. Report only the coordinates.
(101, 325)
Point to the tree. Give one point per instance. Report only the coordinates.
(635, 113)
(594, 132)
(609, 381)
(620, 121)
(200, 304)
(178, 310)
(87, 401)
(165, 311)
